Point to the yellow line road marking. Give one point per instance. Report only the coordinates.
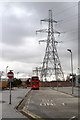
(35, 115)
(31, 114)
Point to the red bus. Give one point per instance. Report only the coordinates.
(35, 82)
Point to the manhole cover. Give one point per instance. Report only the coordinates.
(2, 101)
(19, 97)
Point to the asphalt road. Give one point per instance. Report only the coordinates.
(48, 103)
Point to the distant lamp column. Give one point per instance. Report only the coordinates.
(6, 72)
(71, 68)
(35, 71)
(1, 74)
(17, 74)
(78, 71)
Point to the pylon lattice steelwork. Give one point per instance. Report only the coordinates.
(51, 64)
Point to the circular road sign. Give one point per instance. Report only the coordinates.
(10, 75)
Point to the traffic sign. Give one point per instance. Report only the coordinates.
(10, 74)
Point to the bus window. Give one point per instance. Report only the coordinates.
(34, 78)
(34, 82)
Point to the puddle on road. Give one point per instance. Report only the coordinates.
(19, 97)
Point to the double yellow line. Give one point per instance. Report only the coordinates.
(32, 115)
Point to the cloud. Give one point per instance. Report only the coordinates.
(21, 20)
(16, 24)
(29, 53)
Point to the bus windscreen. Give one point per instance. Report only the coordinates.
(34, 78)
(34, 83)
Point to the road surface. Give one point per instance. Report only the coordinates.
(48, 103)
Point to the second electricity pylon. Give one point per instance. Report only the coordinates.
(51, 68)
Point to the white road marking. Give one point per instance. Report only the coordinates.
(51, 104)
(72, 118)
(44, 104)
(63, 103)
(40, 104)
(48, 102)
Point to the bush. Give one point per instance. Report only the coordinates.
(15, 83)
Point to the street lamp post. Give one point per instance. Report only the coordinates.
(71, 68)
(17, 74)
(6, 74)
(78, 71)
(1, 74)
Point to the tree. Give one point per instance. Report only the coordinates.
(78, 80)
(68, 78)
(15, 83)
(28, 81)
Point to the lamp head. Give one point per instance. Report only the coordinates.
(69, 50)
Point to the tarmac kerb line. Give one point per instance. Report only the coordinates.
(64, 93)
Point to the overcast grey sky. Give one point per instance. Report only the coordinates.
(20, 48)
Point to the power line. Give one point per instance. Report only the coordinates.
(66, 9)
(70, 40)
(72, 32)
(66, 19)
(67, 38)
(69, 30)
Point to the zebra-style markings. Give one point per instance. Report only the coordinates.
(45, 102)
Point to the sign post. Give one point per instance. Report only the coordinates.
(10, 76)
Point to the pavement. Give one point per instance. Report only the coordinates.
(68, 90)
(9, 110)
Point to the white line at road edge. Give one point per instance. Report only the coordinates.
(72, 118)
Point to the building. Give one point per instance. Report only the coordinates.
(77, 80)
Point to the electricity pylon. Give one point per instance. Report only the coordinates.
(37, 70)
(51, 67)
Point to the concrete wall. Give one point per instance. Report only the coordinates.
(55, 83)
(41, 84)
(77, 77)
(3, 84)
